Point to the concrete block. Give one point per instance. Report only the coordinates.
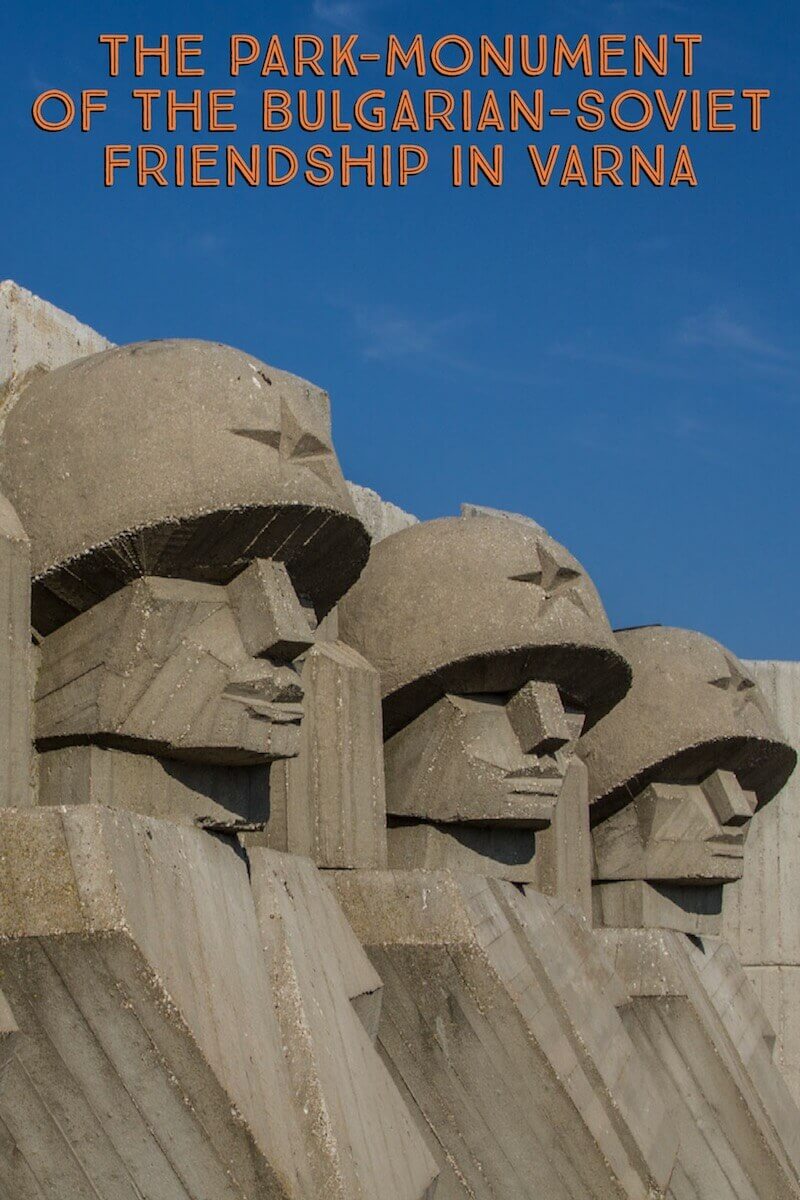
(668, 833)
(537, 717)
(636, 904)
(165, 1025)
(730, 802)
(36, 336)
(499, 1022)
(226, 798)
(461, 761)
(778, 990)
(130, 957)
(761, 912)
(373, 1146)
(564, 849)
(16, 660)
(488, 850)
(329, 803)
(269, 614)
(380, 517)
(710, 1052)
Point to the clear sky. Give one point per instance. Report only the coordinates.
(621, 364)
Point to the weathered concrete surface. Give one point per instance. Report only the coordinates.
(269, 614)
(317, 965)
(692, 709)
(709, 1051)
(329, 802)
(224, 798)
(180, 458)
(481, 510)
(480, 605)
(380, 517)
(636, 904)
(668, 832)
(131, 960)
(9, 1034)
(490, 850)
(36, 336)
(150, 1060)
(564, 849)
(161, 666)
(554, 856)
(461, 760)
(16, 661)
(499, 1022)
(761, 914)
(778, 990)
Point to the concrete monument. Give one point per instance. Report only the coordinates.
(676, 772)
(349, 856)
(182, 1016)
(490, 665)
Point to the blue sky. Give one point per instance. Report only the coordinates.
(620, 364)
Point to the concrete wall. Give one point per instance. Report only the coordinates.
(761, 917)
(35, 335)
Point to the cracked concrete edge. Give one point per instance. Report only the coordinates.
(380, 516)
(37, 336)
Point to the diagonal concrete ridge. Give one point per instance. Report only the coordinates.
(153, 1057)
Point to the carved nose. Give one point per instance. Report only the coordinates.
(270, 616)
(732, 805)
(537, 717)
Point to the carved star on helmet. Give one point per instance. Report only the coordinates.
(292, 442)
(557, 580)
(740, 686)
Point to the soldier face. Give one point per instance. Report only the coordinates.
(484, 759)
(181, 669)
(690, 833)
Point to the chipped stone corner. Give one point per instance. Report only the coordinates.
(37, 336)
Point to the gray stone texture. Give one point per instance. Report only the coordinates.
(372, 1146)
(553, 856)
(161, 666)
(709, 1051)
(36, 336)
(462, 761)
(179, 1026)
(637, 904)
(380, 517)
(499, 1023)
(252, 474)
(762, 913)
(480, 605)
(211, 796)
(692, 709)
(16, 661)
(329, 802)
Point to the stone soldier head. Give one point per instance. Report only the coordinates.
(189, 526)
(494, 650)
(676, 772)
